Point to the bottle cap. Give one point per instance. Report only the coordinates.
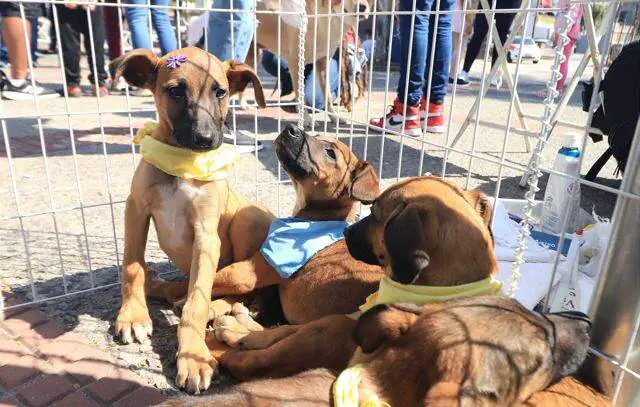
(572, 140)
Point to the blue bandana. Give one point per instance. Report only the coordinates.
(292, 242)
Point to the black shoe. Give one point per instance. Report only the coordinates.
(460, 82)
(26, 91)
(244, 144)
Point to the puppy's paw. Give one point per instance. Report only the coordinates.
(133, 322)
(228, 330)
(196, 368)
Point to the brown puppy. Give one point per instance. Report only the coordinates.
(321, 41)
(329, 181)
(477, 351)
(201, 225)
(434, 234)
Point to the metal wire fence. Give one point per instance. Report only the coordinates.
(66, 163)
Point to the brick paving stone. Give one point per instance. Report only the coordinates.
(45, 392)
(19, 372)
(87, 370)
(107, 389)
(10, 350)
(42, 334)
(77, 399)
(144, 396)
(11, 300)
(25, 321)
(62, 345)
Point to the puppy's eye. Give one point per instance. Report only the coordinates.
(176, 92)
(330, 153)
(221, 93)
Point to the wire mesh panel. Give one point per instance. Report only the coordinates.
(486, 119)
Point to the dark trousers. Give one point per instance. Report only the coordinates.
(112, 22)
(73, 22)
(481, 28)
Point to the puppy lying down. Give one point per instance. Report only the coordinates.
(485, 350)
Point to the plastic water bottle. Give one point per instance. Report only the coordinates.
(563, 194)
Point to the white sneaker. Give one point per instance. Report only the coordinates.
(26, 91)
(496, 81)
(463, 76)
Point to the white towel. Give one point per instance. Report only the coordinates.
(533, 285)
(505, 234)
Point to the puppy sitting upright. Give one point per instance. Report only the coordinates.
(201, 222)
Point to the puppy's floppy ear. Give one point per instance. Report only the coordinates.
(364, 186)
(483, 206)
(239, 75)
(382, 323)
(138, 67)
(406, 243)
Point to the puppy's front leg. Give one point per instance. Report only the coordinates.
(133, 319)
(195, 363)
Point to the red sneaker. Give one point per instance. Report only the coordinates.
(434, 117)
(394, 120)
(102, 91)
(74, 91)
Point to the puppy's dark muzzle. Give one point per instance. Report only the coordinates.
(357, 238)
(292, 151)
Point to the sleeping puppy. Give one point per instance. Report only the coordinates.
(475, 351)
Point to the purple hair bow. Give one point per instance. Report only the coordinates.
(175, 61)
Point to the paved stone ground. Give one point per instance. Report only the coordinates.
(43, 364)
(77, 249)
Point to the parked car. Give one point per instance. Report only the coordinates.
(529, 50)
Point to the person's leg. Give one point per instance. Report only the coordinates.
(414, 72)
(439, 70)
(503, 23)
(95, 18)
(270, 64)
(34, 38)
(162, 25)
(480, 29)
(138, 20)
(226, 29)
(70, 27)
(564, 67)
(436, 87)
(14, 37)
(53, 46)
(313, 92)
(113, 31)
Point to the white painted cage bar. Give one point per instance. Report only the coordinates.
(61, 213)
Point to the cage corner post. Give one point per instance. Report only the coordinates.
(616, 308)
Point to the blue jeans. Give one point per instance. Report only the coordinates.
(270, 64)
(138, 19)
(421, 51)
(223, 25)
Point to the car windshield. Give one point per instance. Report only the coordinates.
(516, 40)
(529, 41)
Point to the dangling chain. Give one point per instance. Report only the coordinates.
(536, 160)
(302, 34)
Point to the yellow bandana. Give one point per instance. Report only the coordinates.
(391, 291)
(181, 162)
(346, 394)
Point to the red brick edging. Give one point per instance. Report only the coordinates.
(43, 365)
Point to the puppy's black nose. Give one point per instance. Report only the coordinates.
(203, 140)
(291, 131)
(362, 8)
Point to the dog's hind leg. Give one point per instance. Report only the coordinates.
(326, 342)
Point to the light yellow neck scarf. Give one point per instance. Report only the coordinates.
(391, 291)
(345, 388)
(181, 162)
